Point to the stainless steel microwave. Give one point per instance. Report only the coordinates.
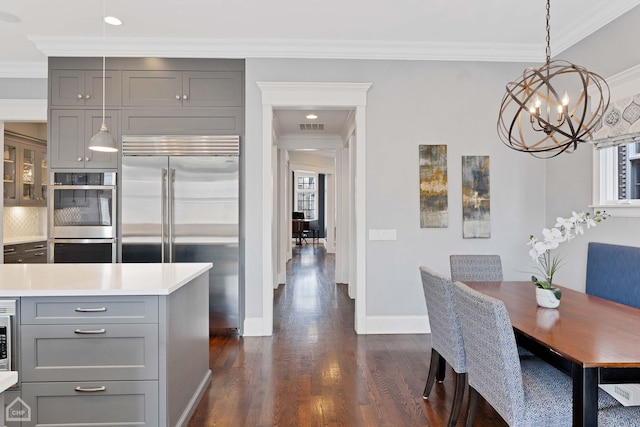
(82, 205)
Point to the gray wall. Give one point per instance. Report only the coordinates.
(569, 185)
(23, 88)
(412, 103)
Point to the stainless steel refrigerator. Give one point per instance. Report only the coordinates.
(180, 204)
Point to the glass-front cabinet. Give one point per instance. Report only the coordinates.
(10, 181)
(25, 171)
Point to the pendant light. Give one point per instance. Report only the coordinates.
(539, 116)
(103, 141)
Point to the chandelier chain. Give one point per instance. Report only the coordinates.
(548, 49)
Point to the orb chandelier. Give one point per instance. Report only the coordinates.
(539, 117)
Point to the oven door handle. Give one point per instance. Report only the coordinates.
(83, 187)
(110, 240)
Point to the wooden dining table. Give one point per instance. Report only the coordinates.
(588, 332)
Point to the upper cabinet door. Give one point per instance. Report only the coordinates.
(93, 87)
(72, 130)
(212, 89)
(152, 88)
(84, 88)
(182, 88)
(67, 132)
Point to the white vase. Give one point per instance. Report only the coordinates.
(546, 298)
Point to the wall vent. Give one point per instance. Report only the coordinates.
(311, 126)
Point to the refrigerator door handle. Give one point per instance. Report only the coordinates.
(163, 213)
(172, 179)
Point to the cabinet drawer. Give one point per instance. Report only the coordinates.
(13, 258)
(89, 352)
(120, 403)
(69, 310)
(34, 246)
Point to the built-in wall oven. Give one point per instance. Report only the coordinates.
(82, 217)
(8, 324)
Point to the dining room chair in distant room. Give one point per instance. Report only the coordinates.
(475, 268)
(446, 338)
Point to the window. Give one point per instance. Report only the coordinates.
(618, 179)
(306, 191)
(616, 167)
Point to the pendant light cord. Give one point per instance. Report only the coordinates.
(104, 36)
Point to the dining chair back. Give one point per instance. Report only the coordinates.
(446, 337)
(525, 392)
(475, 268)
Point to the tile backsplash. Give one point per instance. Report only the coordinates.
(20, 221)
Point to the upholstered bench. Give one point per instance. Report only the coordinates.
(613, 273)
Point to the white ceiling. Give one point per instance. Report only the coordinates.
(489, 30)
(502, 30)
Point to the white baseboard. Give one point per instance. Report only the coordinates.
(253, 327)
(397, 325)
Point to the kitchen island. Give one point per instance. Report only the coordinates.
(110, 344)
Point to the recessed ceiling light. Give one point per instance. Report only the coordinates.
(112, 20)
(311, 116)
(8, 17)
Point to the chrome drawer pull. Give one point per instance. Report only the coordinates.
(90, 390)
(96, 331)
(91, 310)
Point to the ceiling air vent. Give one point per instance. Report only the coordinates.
(311, 126)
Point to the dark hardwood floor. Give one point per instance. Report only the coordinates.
(315, 370)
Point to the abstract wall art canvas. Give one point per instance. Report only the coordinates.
(476, 198)
(434, 194)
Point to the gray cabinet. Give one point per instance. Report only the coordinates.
(91, 310)
(216, 121)
(71, 131)
(90, 360)
(151, 88)
(25, 171)
(114, 360)
(92, 403)
(78, 88)
(89, 352)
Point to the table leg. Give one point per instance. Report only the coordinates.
(585, 396)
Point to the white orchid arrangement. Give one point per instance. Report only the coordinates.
(565, 230)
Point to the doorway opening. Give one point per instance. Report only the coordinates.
(329, 96)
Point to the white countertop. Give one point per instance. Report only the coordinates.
(24, 239)
(18, 280)
(7, 379)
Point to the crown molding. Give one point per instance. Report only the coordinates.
(286, 48)
(22, 70)
(595, 19)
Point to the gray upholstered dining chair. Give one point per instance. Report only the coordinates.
(527, 392)
(446, 338)
(475, 268)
